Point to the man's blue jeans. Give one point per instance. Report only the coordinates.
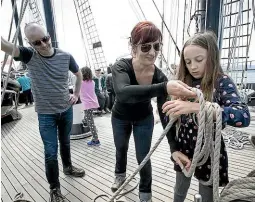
(142, 131)
(53, 127)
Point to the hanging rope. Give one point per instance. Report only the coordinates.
(37, 14)
(241, 188)
(184, 20)
(22, 12)
(178, 50)
(235, 139)
(134, 10)
(253, 10)
(82, 36)
(232, 50)
(141, 9)
(176, 36)
(9, 35)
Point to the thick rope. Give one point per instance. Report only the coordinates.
(205, 146)
(241, 189)
(172, 120)
(203, 134)
(235, 139)
(22, 12)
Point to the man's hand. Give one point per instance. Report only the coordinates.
(8, 47)
(73, 99)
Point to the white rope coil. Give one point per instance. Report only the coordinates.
(202, 150)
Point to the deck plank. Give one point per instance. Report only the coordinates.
(23, 164)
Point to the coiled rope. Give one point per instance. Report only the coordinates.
(202, 150)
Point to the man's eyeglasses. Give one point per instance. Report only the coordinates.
(147, 47)
(39, 42)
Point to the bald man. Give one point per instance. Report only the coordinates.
(48, 68)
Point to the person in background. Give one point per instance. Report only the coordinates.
(109, 87)
(100, 89)
(25, 83)
(89, 101)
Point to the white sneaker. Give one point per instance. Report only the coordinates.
(118, 181)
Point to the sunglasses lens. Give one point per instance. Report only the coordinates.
(45, 39)
(37, 43)
(145, 48)
(156, 46)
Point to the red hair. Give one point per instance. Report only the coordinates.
(145, 32)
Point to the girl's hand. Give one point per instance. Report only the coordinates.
(182, 160)
(179, 107)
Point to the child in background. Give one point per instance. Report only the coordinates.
(89, 102)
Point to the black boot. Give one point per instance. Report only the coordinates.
(73, 171)
(56, 196)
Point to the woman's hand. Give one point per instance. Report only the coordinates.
(182, 160)
(179, 89)
(179, 107)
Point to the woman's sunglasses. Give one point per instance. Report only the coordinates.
(39, 42)
(147, 47)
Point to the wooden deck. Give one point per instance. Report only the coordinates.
(23, 170)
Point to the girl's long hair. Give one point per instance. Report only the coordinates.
(208, 41)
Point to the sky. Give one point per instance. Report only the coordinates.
(114, 21)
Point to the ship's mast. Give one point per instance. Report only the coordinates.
(50, 21)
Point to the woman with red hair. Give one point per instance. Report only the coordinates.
(136, 81)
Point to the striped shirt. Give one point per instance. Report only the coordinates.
(49, 79)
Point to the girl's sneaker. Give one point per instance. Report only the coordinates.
(93, 143)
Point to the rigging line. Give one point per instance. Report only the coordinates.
(248, 48)
(141, 9)
(233, 46)
(221, 25)
(82, 36)
(9, 35)
(167, 66)
(134, 10)
(38, 19)
(206, 10)
(38, 10)
(176, 37)
(190, 11)
(22, 12)
(184, 21)
(253, 9)
(169, 41)
(167, 28)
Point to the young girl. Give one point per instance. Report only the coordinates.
(200, 68)
(90, 102)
